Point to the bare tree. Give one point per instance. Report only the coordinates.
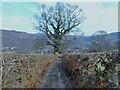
(57, 21)
(100, 41)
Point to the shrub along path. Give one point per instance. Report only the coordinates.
(55, 77)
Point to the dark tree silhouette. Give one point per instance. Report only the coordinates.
(100, 41)
(57, 21)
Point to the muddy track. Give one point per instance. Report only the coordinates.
(55, 77)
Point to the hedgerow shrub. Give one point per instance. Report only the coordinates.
(93, 70)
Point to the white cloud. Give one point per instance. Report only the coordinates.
(20, 23)
(99, 18)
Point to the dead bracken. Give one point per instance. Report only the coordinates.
(93, 70)
(24, 70)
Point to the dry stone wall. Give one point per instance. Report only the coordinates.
(93, 70)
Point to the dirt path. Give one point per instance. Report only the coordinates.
(55, 77)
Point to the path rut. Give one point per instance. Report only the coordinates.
(55, 77)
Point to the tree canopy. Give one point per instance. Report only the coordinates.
(56, 21)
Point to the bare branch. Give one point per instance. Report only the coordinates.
(59, 20)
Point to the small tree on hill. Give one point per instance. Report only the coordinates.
(100, 41)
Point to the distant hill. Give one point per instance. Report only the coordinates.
(85, 41)
(23, 41)
(114, 36)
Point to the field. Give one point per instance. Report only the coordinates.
(23, 70)
(83, 70)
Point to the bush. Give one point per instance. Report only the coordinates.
(92, 70)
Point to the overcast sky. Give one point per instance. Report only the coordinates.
(100, 16)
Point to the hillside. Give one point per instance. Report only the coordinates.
(23, 41)
(19, 40)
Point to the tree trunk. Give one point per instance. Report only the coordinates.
(57, 44)
(57, 49)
